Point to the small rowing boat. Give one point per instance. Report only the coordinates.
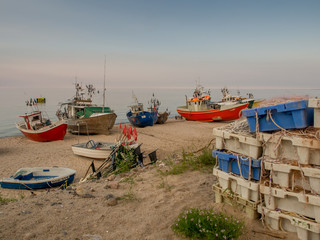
(39, 177)
(96, 150)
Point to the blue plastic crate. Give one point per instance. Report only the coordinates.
(228, 162)
(255, 168)
(292, 115)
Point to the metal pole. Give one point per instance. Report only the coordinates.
(104, 83)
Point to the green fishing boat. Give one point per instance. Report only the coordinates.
(84, 117)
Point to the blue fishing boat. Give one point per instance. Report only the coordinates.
(39, 177)
(140, 118)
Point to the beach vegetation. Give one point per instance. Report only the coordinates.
(129, 195)
(165, 185)
(128, 180)
(6, 200)
(192, 161)
(124, 161)
(207, 224)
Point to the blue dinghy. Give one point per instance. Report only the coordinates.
(39, 177)
(140, 118)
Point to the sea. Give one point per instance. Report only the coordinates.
(13, 101)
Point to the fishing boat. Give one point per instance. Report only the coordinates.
(96, 150)
(39, 177)
(162, 117)
(229, 99)
(140, 118)
(37, 128)
(84, 117)
(201, 108)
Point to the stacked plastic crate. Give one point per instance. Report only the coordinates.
(238, 169)
(291, 159)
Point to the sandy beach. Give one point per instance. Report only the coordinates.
(149, 205)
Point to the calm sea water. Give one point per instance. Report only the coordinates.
(12, 101)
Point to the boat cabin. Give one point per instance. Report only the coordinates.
(136, 109)
(35, 121)
(200, 104)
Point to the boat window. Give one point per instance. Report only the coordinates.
(35, 118)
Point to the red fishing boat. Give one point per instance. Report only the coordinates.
(39, 129)
(200, 108)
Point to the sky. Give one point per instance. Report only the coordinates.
(160, 43)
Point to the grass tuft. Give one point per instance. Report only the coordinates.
(191, 161)
(6, 200)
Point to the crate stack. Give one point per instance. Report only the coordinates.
(289, 153)
(238, 169)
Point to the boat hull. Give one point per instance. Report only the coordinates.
(100, 152)
(100, 124)
(53, 132)
(162, 117)
(228, 114)
(41, 178)
(142, 119)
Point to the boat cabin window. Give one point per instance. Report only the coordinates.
(36, 118)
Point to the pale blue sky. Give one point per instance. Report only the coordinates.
(168, 43)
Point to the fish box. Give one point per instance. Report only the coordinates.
(248, 168)
(291, 115)
(292, 147)
(292, 176)
(277, 220)
(242, 144)
(315, 104)
(229, 197)
(248, 190)
(301, 203)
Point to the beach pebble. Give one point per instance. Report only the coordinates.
(80, 190)
(112, 185)
(87, 195)
(92, 237)
(29, 235)
(111, 200)
(26, 212)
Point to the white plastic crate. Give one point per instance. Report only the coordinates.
(304, 204)
(305, 229)
(226, 196)
(297, 148)
(315, 103)
(290, 176)
(248, 190)
(238, 143)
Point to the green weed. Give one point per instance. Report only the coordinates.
(6, 200)
(190, 161)
(207, 224)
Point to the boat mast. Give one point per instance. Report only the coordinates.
(104, 83)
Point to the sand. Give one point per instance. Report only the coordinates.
(149, 203)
